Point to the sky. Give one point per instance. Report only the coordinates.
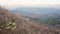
(28, 3)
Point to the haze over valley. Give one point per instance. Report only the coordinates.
(29, 16)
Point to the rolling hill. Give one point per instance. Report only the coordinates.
(46, 15)
(37, 11)
(11, 23)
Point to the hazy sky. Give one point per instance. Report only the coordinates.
(27, 3)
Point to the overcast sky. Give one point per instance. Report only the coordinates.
(27, 3)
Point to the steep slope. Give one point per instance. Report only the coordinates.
(23, 25)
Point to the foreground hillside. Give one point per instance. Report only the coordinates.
(11, 23)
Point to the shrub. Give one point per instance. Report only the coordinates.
(12, 25)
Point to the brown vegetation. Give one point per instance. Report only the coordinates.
(22, 25)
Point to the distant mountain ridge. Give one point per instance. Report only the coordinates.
(37, 11)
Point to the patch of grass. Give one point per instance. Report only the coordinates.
(1, 25)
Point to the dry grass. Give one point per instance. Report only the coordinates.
(23, 25)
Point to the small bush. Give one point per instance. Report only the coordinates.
(12, 25)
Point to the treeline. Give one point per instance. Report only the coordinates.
(50, 21)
